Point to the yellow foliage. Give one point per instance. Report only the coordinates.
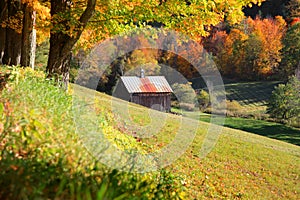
(43, 20)
(14, 22)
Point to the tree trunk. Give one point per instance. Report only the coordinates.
(3, 17)
(12, 51)
(297, 71)
(58, 60)
(26, 35)
(33, 42)
(61, 43)
(2, 43)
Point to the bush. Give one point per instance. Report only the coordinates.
(185, 96)
(203, 100)
(187, 106)
(284, 103)
(233, 106)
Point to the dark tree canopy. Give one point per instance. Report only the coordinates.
(270, 8)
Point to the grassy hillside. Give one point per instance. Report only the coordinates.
(43, 157)
(252, 96)
(241, 166)
(261, 127)
(250, 93)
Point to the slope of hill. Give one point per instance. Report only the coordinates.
(261, 127)
(246, 93)
(42, 157)
(252, 96)
(241, 165)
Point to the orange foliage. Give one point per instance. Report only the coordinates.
(42, 20)
(14, 22)
(252, 50)
(270, 33)
(232, 54)
(214, 42)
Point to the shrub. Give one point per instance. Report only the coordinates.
(232, 109)
(184, 95)
(203, 99)
(233, 106)
(284, 103)
(187, 106)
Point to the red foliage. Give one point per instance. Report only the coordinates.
(294, 21)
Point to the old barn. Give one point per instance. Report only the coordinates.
(150, 91)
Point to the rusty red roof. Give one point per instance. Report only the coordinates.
(149, 84)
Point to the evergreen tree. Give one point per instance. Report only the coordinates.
(291, 52)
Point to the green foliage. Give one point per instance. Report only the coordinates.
(291, 51)
(41, 157)
(41, 56)
(203, 99)
(285, 101)
(292, 9)
(185, 95)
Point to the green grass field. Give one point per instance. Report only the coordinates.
(252, 96)
(264, 128)
(250, 93)
(44, 132)
(242, 165)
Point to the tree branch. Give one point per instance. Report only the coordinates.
(84, 18)
(97, 21)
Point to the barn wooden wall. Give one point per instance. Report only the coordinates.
(150, 99)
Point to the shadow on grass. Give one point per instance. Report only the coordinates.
(264, 128)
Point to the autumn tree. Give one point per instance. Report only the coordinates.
(27, 32)
(16, 30)
(67, 28)
(252, 49)
(214, 42)
(13, 31)
(69, 19)
(266, 45)
(231, 58)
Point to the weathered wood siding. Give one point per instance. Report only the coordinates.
(157, 101)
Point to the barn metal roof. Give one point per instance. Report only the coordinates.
(149, 84)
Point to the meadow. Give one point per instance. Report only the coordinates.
(253, 99)
(252, 96)
(261, 127)
(44, 156)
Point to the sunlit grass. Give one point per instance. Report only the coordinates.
(55, 161)
(242, 165)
